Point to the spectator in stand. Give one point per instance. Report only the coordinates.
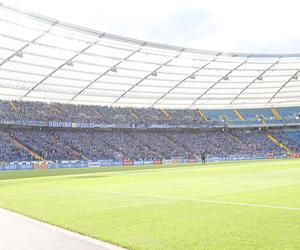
(68, 144)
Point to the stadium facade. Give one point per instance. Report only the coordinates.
(72, 93)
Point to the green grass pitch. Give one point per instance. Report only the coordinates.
(233, 205)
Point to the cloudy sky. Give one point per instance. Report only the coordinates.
(254, 26)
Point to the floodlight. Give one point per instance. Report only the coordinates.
(295, 77)
(69, 63)
(113, 69)
(19, 54)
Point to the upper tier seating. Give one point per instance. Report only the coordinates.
(289, 114)
(38, 111)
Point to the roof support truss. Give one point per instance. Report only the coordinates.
(248, 86)
(107, 71)
(58, 68)
(282, 87)
(182, 81)
(148, 75)
(68, 63)
(205, 92)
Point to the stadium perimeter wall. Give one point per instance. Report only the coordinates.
(53, 124)
(110, 163)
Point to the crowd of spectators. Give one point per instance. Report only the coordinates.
(294, 136)
(257, 141)
(47, 144)
(10, 150)
(291, 139)
(134, 144)
(74, 144)
(58, 112)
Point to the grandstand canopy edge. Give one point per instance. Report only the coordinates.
(42, 59)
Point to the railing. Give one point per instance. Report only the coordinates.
(210, 124)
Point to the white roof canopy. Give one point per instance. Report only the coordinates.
(42, 59)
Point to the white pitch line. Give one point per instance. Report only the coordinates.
(201, 200)
(20, 232)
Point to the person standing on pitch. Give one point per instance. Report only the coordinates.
(203, 157)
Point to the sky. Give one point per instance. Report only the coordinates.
(253, 26)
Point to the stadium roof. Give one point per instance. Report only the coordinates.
(42, 59)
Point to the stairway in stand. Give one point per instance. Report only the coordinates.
(276, 114)
(166, 114)
(34, 154)
(278, 143)
(239, 115)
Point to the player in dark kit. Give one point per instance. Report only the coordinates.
(203, 157)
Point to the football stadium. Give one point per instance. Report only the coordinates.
(111, 142)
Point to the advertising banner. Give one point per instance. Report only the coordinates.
(138, 163)
(108, 163)
(164, 161)
(42, 165)
(148, 162)
(178, 160)
(16, 167)
(127, 162)
(116, 163)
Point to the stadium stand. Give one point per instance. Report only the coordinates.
(288, 138)
(294, 136)
(68, 144)
(58, 112)
(26, 142)
(11, 151)
(291, 114)
(71, 93)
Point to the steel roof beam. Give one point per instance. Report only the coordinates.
(248, 86)
(226, 75)
(92, 32)
(150, 74)
(283, 86)
(182, 81)
(107, 71)
(26, 45)
(134, 70)
(59, 67)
